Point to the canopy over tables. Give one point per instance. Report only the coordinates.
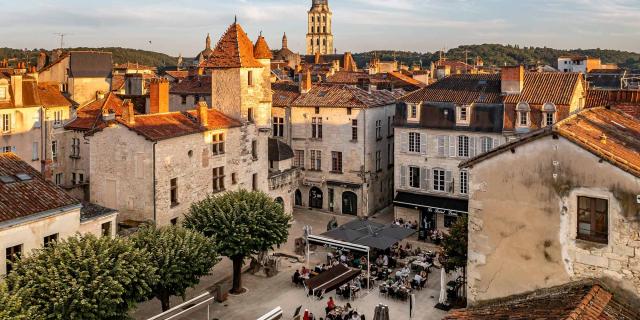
(331, 279)
(369, 233)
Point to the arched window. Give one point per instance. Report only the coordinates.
(548, 114)
(349, 203)
(523, 111)
(298, 198)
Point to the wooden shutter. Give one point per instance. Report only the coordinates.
(441, 146)
(428, 180)
(452, 146)
(404, 142)
(472, 147)
(496, 142)
(403, 176)
(423, 179)
(423, 144)
(448, 184)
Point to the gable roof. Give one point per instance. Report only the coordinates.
(261, 49)
(460, 89)
(23, 198)
(193, 85)
(234, 50)
(583, 300)
(90, 64)
(50, 95)
(29, 94)
(89, 116)
(606, 132)
(339, 96)
(284, 93)
(543, 87)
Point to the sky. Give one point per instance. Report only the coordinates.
(180, 26)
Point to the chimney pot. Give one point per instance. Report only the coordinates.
(128, 113)
(159, 96)
(305, 82)
(512, 79)
(203, 113)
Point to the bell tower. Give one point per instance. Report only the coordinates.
(319, 28)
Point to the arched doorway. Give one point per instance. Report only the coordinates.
(280, 201)
(349, 203)
(298, 198)
(315, 198)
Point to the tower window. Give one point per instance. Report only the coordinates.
(250, 78)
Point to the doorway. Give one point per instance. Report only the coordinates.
(349, 203)
(315, 198)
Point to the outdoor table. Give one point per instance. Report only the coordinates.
(423, 265)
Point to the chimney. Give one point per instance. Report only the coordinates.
(512, 79)
(99, 95)
(203, 113)
(364, 83)
(305, 82)
(42, 60)
(16, 87)
(128, 115)
(159, 96)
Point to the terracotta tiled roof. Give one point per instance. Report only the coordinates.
(234, 50)
(89, 116)
(261, 49)
(50, 95)
(582, 300)
(625, 100)
(23, 198)
(341, 96)
(460, 89)
(542, 87)
(597, 98)
(407, 79)
(117, 82)
(134, 66)
(178, 74)
(346, 77)
(217, 120)
(284, 93)
(29, 95)
(606, 132)
(194, 85)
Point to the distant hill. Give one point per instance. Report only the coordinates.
(120, 55)
(499, 55)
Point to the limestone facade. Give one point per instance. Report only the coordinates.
(319, 28)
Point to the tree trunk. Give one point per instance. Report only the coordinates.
(237, 274)
(164, 301)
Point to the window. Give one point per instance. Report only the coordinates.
(218, 179)
(12, 255)
(378, 161)
(174, 221)
(278, 127)
(50, 239)
(250, 78)
(414, 177)
(75, 147)
(486, 144)
(439, 180)
(389, 127)
(217, 144)
(523, 110)
(316, 127)
(462, 115)
(378, 129)
(593, 222)
(354, 130)
(54, 149)
(174, 191)
(234, 178)
(183, 99)
(463, 146)
(73, 178)
(349, 111)
(105, 229)
(549, 118)
(464, 182)
(80, 178)
(414, 142)
(254, 182)
(6, 122)
(298, 159)
(7, 149)
(57, 118)
(250, 114)
(316, 160)
(390, 154)
(254, 149)
(35, 151)
(316, 110)
(58, 179)
(336, 161)
(3, 93)
(413, 112)
(36, 119)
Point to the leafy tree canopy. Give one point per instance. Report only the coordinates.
(11, 306)
(84, 277)
(455, 245)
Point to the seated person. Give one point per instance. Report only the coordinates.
(417, 280)
(304, 271)
(296, 277)
(318, 269)
(398, 275)
(331, 304)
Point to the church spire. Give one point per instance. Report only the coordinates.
(208, 42)
(284, 41)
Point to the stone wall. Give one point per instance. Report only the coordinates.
(522, 221)
(24, 132)
(83, 90)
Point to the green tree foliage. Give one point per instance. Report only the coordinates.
(454, 245)
(84, 278)
(242, 223)
(11, 306)
(181, 256)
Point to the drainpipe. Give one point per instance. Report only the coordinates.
(155, 221)
(365, 199)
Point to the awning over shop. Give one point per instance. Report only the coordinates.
(331, 279)
(444, 205)
(343, 184)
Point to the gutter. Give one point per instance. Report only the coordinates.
(39, 215)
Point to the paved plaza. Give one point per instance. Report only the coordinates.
(264, 293)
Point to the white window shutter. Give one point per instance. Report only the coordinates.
(496, 142)
(13, 149)
(424, 183)
(423, 144)
(403, 176)
(428, 180)
(452, 146)
(472, 147)
(404, 142)
(440, 146)
(448, 185)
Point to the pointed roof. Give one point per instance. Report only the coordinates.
(261, 49)
(234, 50)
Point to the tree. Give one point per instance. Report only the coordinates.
(11, 306)
(454, 246)
(242, 223)
(84, 277)
(181, 256)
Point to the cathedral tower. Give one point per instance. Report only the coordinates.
(319, 33)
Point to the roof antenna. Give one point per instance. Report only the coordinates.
(261, 33)
(235, 19)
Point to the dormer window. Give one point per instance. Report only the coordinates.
(413, 113)
(463, 115)
(548, 114)
(523, 114)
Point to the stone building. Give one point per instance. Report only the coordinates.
(319, 28)
(558, 205)
(436, 128)
(80, 73)
(283, 176)
(342, 140)
(186, 93)
(285, 55)
(48, 216)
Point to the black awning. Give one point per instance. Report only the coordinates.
(437, 204)
(343, 184)
(331, 279)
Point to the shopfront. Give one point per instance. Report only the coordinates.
(433, 213)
